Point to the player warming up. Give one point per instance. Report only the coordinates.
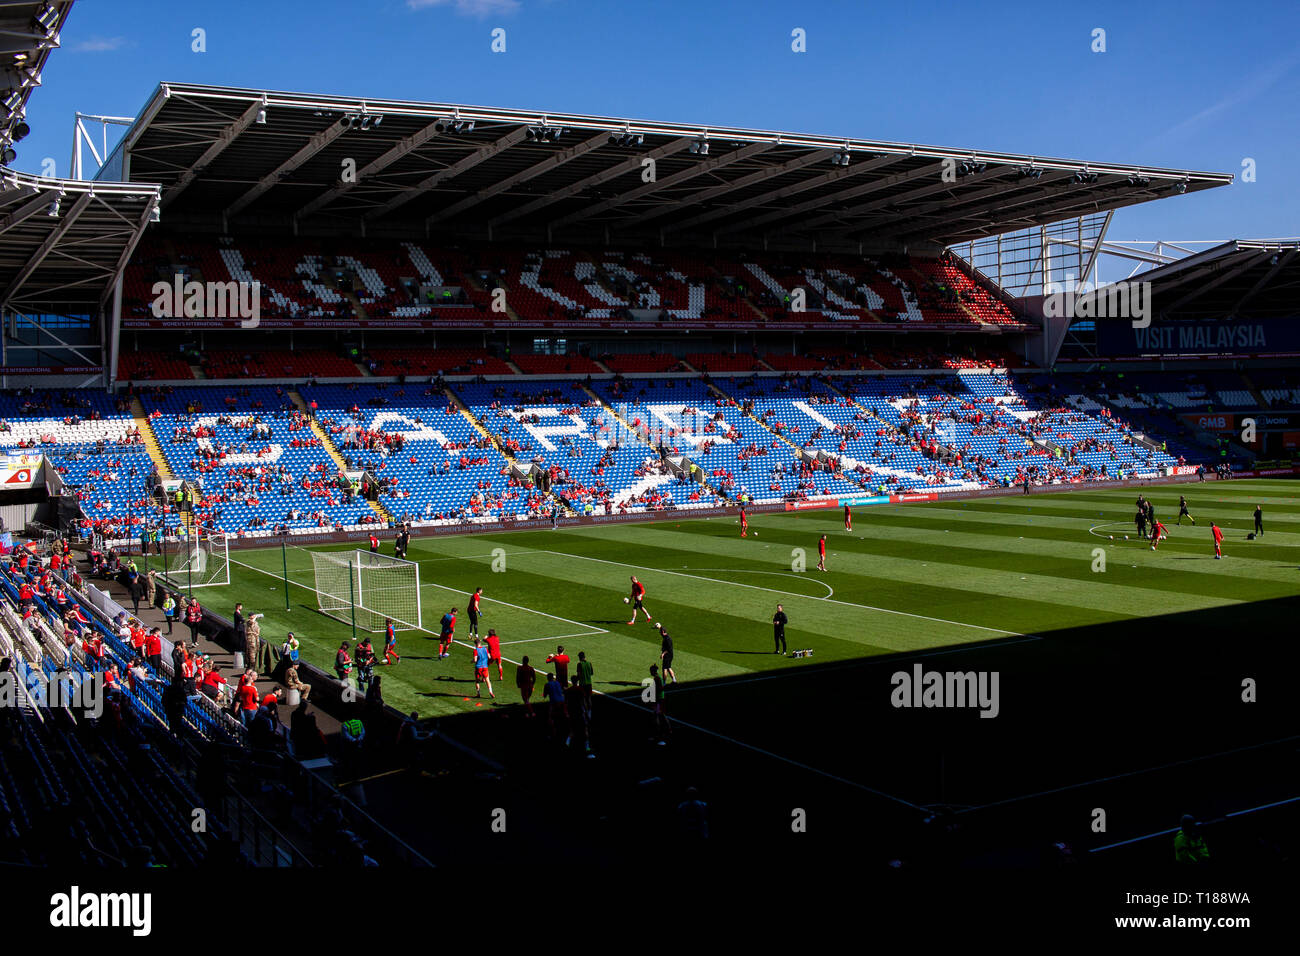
(744, 523)
(494, 652)
(1259, 521)
(481, 675)
(637, 600)
(1182, 510)
(1218, 541)
(666, 654)
(474, 611)
(848, 519)
(446, 634)
(821, 553)
(390, 642)
(1158, 533)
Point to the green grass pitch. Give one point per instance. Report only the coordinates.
(907, 578)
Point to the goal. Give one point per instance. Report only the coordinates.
(377, 586)
(198, 560)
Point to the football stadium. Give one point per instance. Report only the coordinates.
(344, 436)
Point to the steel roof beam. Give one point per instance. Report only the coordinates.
(479, 155)
(1282, 261)
(684, 175)
(45, 248)
(403, 147)
(863, 189)
(215, 149)
(554, 161)
(612, 172)
(312, 147)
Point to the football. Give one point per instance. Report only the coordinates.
(626, 601)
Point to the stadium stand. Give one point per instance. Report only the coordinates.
(313, 279)
(152, 366)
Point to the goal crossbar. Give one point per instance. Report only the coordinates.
(373, 588)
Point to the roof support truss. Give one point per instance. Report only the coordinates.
(604, 176)
(314, 146)
(50, 242)
(215, 149)
(685, 175)
(479, 155)
(554, 161)
(404, 146)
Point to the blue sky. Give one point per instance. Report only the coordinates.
(1187, 85)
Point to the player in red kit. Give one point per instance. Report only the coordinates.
(446, 633)
(1218, 541)
(821, 553)
(1158, 532)
(848, 519)
(744, 524)
(637, 600)
(390, 642)
(494, 652)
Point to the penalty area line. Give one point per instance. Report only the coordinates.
(678, 721)
(592, 632)
(756, 587)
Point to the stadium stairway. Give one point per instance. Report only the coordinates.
(628, 425)
(1253, 389)
(854, 402)
(609, 408)
(327, 444)
(150, 439)
(750, 415)
(500, 447)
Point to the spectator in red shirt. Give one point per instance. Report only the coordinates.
(249, 699)
(561, 662)
(153, 649)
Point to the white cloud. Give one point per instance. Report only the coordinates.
(469, 8)
(100, 44)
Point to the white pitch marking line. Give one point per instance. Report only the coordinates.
(678, 720)
(741, 743)
(830, 591)
(755, 587)
(557, 637)
(518, 607)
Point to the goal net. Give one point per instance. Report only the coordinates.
(377, 586)
(197, 558)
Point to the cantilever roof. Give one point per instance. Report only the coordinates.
(1242, 278)
(228, 157)
(63, 242)
(28, 32)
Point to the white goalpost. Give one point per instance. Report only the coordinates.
(198, 560)
(376, 586)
